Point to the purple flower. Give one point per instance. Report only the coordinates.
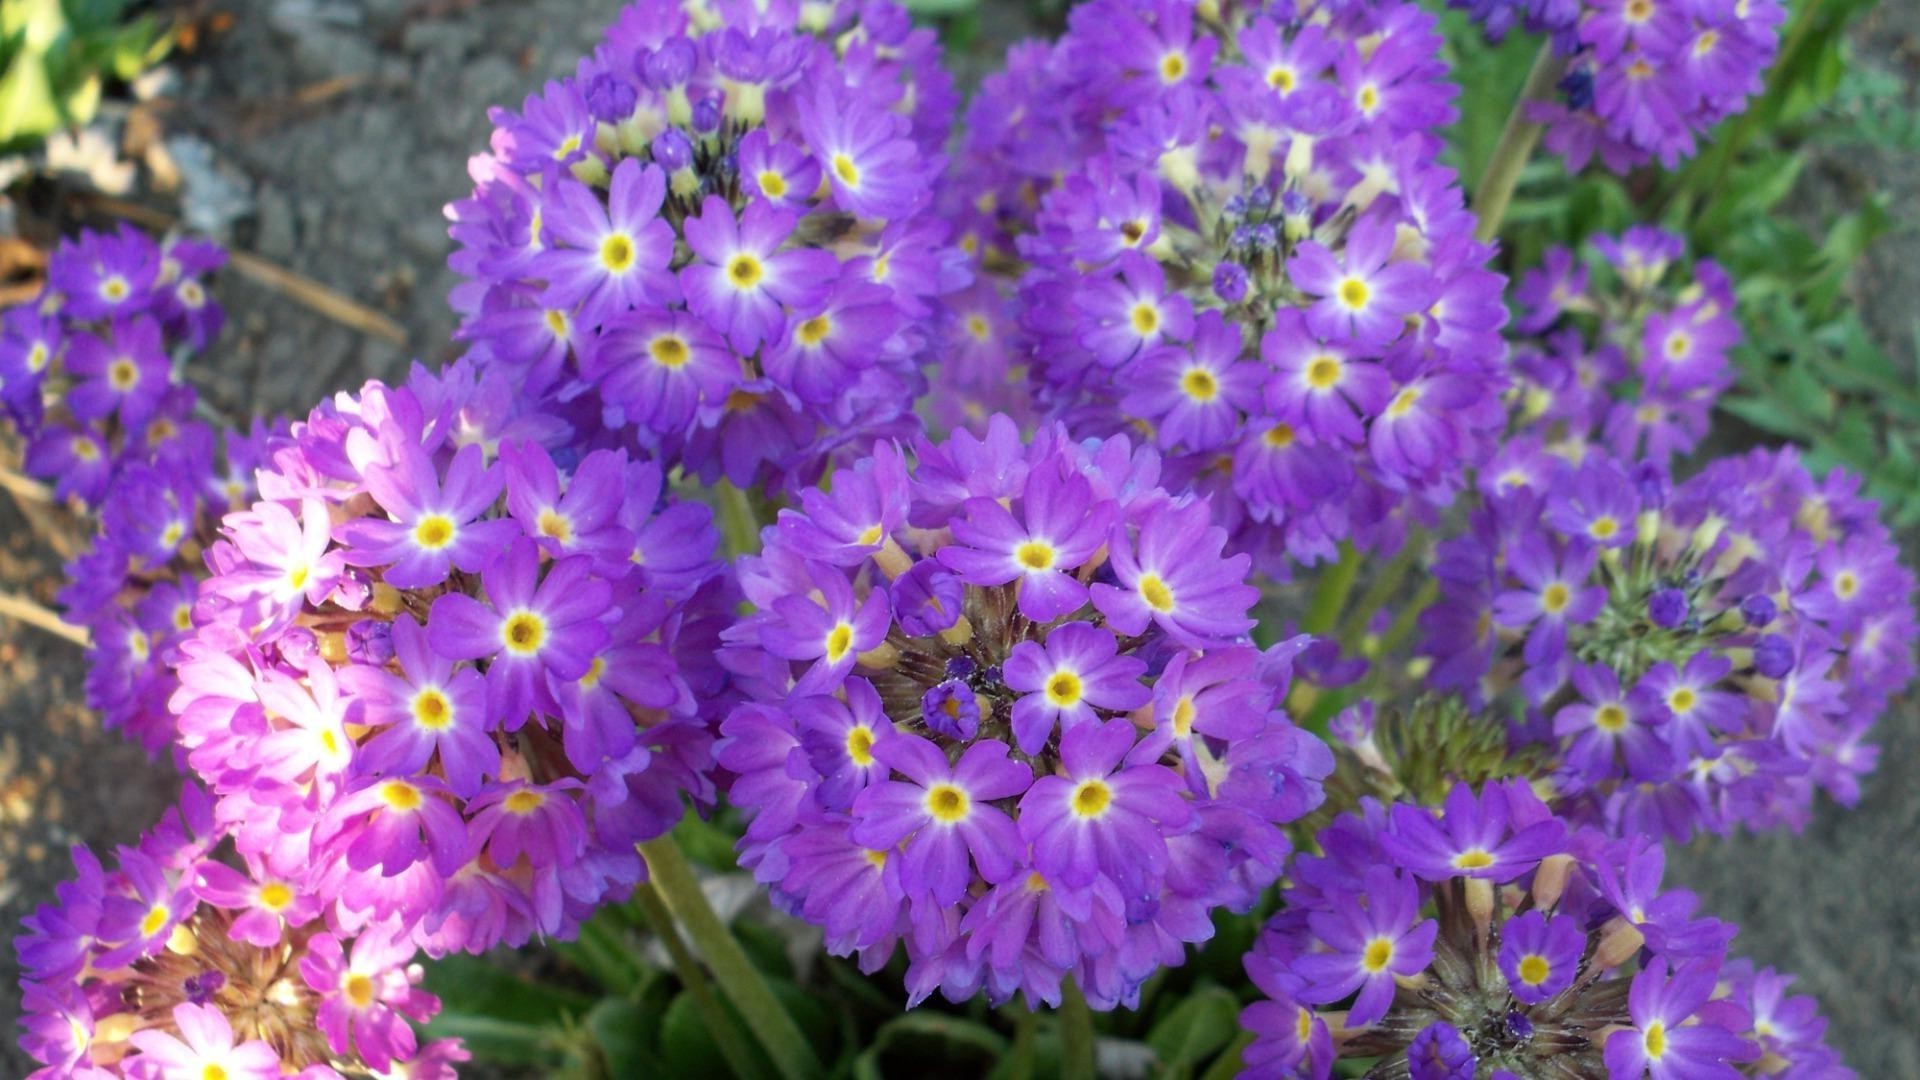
(1370, 942)
(125, 375)
(1364, 297)
(1677, 1031)
(659, 368)
(366, 996)
(1475, 837)
(832, 630)
(1318, 386)
(432, 524)
(943, 814)
(743, 278)
(1100, 817)
(582, 520)
(1540, 955)
(205, 1048)
(1172, 574)
(432, 707)
(864, 151)
(528, 628)
(1061, 527)
(608, 258)
(393, 824)
(839, 737)
(1554, 593)
(1439, 1053)
(1077, 671)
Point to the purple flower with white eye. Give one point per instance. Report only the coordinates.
(660, 368)
(1484, 836)
(832, 630)
(1553, 593)
(291, 560)
(1364, 297)
(1540, 955)
(529, 627)
(1063, 682)
(433, 522)
(1370, 942)
(743, 278)
(393, 824)
(367, 995)
(1100, 816)
(943, 814)
(781, 173)
(1600, 504)
(125, 374)
(1609, 727)
(609, 257)
(840, 736)
(433, 707)
(102, 275)
(1195, 394)
(1132, 310)
(823, 351)
(583, 519)
(1318, 386)
(1172, 574)
(1679, 1032)
(1060, 527)
(205, 1047)
(864, 152)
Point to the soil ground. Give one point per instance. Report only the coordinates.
(349, 191)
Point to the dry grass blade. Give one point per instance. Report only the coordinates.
(18, 607)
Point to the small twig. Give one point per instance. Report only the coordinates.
(19, 607)
(24, 488)
(299, 288)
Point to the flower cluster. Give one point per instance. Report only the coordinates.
(1000, 709)
(87, 376)
(1488, 938)
(1259, 263)
(1642, 80)
(717, 238)
(1698, 656)
(446, 674)
(178, 963)
(87, 370)
(1635, 359)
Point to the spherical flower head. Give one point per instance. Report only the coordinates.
(715, 237)
(485, 687)
(242, 974)
(1000, 702)
(1682, 650)
(1321, 354)
(1642, 82)
(1565, 968)
(1630, 312)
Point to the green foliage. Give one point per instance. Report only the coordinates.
(58, 55)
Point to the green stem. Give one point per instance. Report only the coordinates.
(1330, 595)
(1022, 1068)
(1403, 624)
(738, 979)
(1517, 140)
(1076, 1034)
(1384, 585)
(739, 522)
(733, 1043)
(1228, 1064)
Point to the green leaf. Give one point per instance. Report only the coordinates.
(505, 1042)
(686, 1045)
(627, 1034)
(913, 1041)
(473, 984)
(1196, 1028)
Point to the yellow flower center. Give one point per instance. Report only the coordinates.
(814, 330)
(839, 640)
(1324, 371)
(1173, 67)
(523, 633)
(115, 288)
(1679, 344)
(877, 859)
(669, 351)
(1845, 584)
(1064, 689)
(1034, 555)
(525, 802)
(1200, 385)
(1473, 859)
(1605, 527)
(1091, 798)
(358, 988)
(122, 375)
(846, 170)
(1369, 98)
(1706, 42)
(555, 526)
(297, 577)
(156, 917)
(1155, 592)
(947, 803)
(1183, 714)
(1682, 700)
(434, 532)
(86, 449)
(1656, 1040)
(38, 357)
(400, 795)
(1354, 293)
(1131, 232)
(1534, 969)
(432, 710)
(616, 253)
(595, 671)
(1279, 436)
(213, 1071)
(1555, 598)
(772, 184)
(274, 896)
(872, 534)
(979, 328)
(1610, 718)
(744, 271)
(1282, 79)
(1146, 318)
(557, 322)
(566, 148)
(860, 745)
(1378, 954)
(1403, 402)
